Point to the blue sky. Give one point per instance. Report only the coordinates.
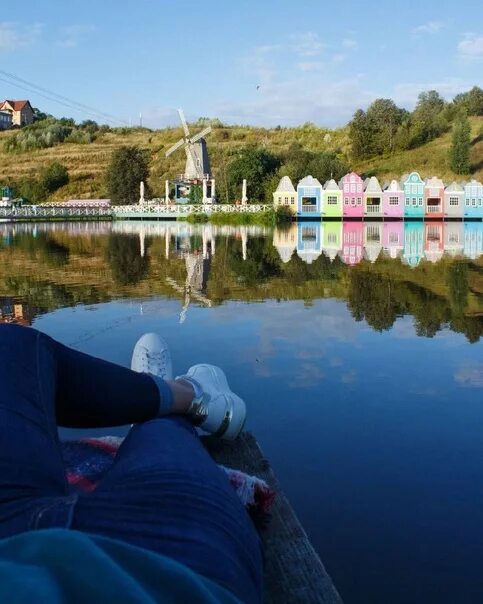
(312, 60)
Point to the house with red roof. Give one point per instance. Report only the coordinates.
(21, 111)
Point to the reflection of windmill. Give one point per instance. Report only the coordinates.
(197, 170)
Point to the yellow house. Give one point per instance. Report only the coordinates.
(285, 195)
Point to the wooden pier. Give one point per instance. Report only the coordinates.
(294, 573)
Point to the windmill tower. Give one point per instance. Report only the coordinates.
(197, 169)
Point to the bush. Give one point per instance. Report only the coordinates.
(128, 167)
(53, 177)
(197, 218)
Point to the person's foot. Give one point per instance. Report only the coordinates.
(215, 408)
(151, 355)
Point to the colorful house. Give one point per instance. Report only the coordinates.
(434, 198)
(393, 201)
(332, 200)
(332, 238)
(413, 243)
(433, 241)
(454, 200)
(352, 187)
(285, 240)
(285, 195)
(372, 240)
(352, 242)
(454, 238)
(309, 198)
(413, 187)
(473, 245)
(309, 241)
(473, 199)
(393, 238)
(373, 206)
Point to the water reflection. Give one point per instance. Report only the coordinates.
(431, 271)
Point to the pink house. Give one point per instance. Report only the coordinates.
(352, 187)
(393, 201)
(393, 239)
(352, 242)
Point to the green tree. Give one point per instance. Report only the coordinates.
(361, 135)
(427, 120)
(196, 194)
(128, 167)
(384, 119)
(54, 176)
(459, 154)
(254, 164)
(327, 165)
(471, 101)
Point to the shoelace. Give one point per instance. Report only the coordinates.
(154, 362)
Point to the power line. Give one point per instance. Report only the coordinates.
(55, 97)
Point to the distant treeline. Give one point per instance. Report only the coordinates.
(385, 128)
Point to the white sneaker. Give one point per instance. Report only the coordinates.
(215, 409)
(151, 355)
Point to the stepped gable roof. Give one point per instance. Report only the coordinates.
(331, 185)
(373, 185)
(434, 181)
(455, 187)
(309, 181)
(285, 186)
(16, 105)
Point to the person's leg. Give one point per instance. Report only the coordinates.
(31, 468)
(165, 493)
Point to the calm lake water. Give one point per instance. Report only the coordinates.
(358, 349)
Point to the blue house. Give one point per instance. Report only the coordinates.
(309, 198)
(473, 207)
(413, 187)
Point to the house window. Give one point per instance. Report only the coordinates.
(332, 200)
(407, 201)
(454, 201)
(393, 238)
(346, 201)
(359, 201)
(393, 201)
(286, 201)
(353, 188)
(415, 201)
(332, 238)
(292, 200)
(420, 201)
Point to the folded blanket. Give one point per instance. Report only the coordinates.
(87, 460)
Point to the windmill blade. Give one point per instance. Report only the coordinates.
(183, 121)
(201, 134)
(175, 147)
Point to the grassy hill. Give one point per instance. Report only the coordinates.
(87, 162)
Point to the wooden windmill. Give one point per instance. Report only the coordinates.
(197, 159)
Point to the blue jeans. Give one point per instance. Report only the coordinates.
(163, 492)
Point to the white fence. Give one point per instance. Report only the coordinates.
(52, 211)
(161, 210)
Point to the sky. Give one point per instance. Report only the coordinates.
(259, 62)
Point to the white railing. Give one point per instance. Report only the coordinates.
(53, 211)
(374, 209)
(310, 208)
(149, 210)
(433, 209)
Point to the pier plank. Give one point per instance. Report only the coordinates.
(294, 572)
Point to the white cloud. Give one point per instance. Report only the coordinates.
(73, 34)
(470, 377)
(14, 35)
(307, 44)
(349, 43)
(309, 66)
(338, 58)
(471, 46)
(432, 27)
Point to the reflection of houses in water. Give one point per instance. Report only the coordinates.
(372, 240)
(332, 239)
(393, 239)
(352, 242)
(309, 241)
(15, 312)
(285, 240)
(473, 246)
(453, 238)
(413, 243)
(433, 241)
